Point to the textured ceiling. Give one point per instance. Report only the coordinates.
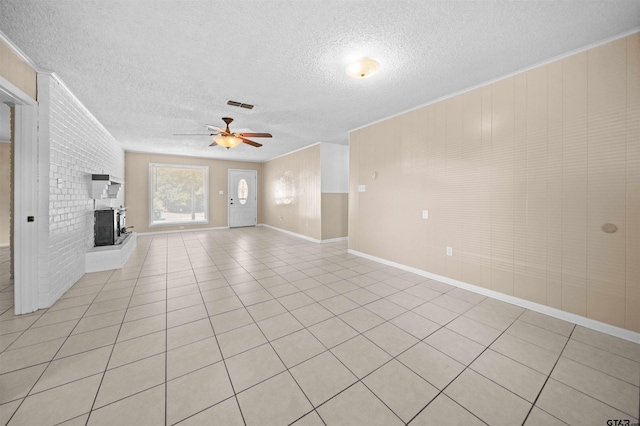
(149, 69)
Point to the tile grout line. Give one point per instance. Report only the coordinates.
(276, 352)
(106, 367)
(221, 354)
(580, 391)
(115, 342)
(547, 380)
(166, 337)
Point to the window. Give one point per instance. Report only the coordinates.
(178, 194)
(243, 191)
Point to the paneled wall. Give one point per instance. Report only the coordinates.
(292, 192)
(16, 71)
(137, 182)
(335, 215)
(518, 177)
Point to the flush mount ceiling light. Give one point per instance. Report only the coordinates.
(362, 68)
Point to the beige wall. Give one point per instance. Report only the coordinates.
(137, 189)
(292, 198)
(17, 71)
(5, 192)
(334, 215)
(518, 176)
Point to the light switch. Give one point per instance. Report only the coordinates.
(449, 251)
(362, 188)
(59, 183)
(425, 214)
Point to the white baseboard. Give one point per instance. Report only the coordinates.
(182, 230)
(334, 240)
(304, 237)
(612, 330)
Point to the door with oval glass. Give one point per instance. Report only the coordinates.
(243, 198)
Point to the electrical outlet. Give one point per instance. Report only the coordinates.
(425, 214)
(449, 251)
(221, 192)
(362, 188)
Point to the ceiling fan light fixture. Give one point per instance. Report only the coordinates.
(362, 68)
(228, 141)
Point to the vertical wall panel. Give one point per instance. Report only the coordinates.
(454, 194)
(554, 185)
(334, 214)
(439, 189)
(535, 286)
(428, 118)
(476, 220)
(520, 184)
(411, 195)
(574, 182)
(387, 165)
(486, 134)
(360, 218)
(632, 295)
(355, 160)
(502, 188)
(607, 182)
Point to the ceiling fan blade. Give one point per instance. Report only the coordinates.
(214, 143)
(252, 143)
(256, 135)
(216, 128)
(193, 134)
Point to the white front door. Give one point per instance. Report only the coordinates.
(243, 198)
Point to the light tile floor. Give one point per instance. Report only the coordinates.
(252, 326)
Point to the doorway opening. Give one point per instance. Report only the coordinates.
(23, 258)
(6, 206)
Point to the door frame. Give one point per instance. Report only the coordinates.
(255, 172)
(25, 200)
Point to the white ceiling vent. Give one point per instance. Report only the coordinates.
(239, 104)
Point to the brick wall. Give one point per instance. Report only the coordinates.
(78, 147)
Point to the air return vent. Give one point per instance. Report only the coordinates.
(239, 104)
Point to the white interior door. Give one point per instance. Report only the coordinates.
(243, 198)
